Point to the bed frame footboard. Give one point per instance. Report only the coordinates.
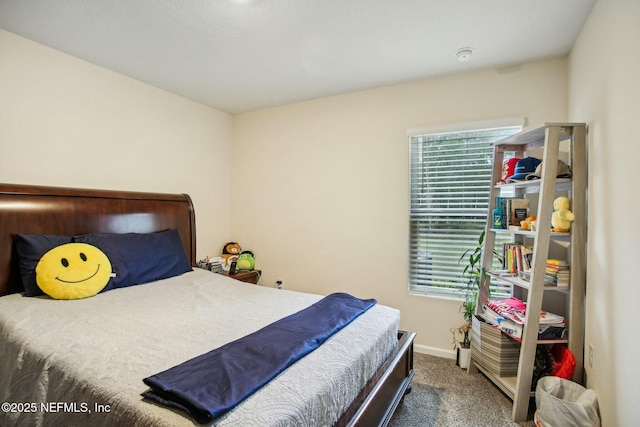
(382, 394)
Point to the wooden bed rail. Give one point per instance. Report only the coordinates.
(380, 397)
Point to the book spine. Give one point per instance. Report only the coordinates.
(519, 263)
(558, 262)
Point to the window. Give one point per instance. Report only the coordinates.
(450, 179)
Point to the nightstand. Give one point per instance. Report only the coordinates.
(249, 276)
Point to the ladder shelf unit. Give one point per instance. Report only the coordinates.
(555, 140)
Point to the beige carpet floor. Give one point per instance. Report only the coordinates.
(443, 394)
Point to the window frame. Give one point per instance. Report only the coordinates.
(455, 291)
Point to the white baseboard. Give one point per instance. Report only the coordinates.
(434, 351)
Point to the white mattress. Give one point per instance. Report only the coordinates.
(74, 355)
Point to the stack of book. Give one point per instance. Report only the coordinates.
(498, 353)
(508, 315)
(514, 210)
(548, 279)
(559, 273)
(516, 258)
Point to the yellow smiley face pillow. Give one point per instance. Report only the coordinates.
(73, 271)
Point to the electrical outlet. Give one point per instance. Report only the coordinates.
(591, 355)
(279, 283)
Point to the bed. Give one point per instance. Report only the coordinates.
(83, 361)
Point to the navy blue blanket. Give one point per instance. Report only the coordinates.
(211, 384)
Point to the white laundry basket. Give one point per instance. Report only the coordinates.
(562, 403)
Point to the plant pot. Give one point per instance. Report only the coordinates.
(462, 357)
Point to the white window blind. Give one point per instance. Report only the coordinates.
(450, 183)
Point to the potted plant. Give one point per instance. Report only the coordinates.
(462, 338)
(474, 272)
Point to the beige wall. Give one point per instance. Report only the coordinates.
(604, 90)
(320, 188)
(65, 122)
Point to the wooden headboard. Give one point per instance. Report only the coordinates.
(27, 209)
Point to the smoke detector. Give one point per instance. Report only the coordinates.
(464, 54)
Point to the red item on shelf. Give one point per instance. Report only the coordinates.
(564, 364)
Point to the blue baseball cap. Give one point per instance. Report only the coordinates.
(523, 168)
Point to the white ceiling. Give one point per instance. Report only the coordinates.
(243, 55)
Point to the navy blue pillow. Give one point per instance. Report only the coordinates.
(30, 248)
(140, 258)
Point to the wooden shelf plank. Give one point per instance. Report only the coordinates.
(532, 234)
(521, 283)
(506, 384)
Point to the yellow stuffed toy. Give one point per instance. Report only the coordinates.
(562, 216)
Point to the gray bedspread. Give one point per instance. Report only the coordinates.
(82, 362)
